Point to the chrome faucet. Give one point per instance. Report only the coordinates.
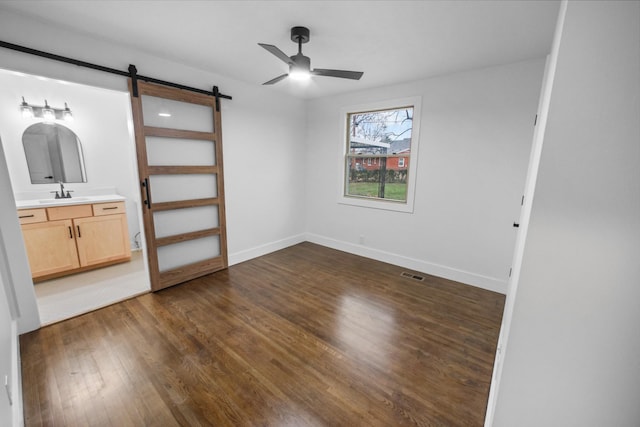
(61, 195)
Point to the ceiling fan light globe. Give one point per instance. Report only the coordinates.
(299, 75)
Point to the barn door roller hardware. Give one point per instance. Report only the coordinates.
(132, 72)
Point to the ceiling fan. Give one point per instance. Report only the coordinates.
(300, 65)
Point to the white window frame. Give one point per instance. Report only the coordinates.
(401, 160)
(391, 205)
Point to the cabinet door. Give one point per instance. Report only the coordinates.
(51, 247)
(102, 239)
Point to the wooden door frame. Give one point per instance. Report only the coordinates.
(191, 271)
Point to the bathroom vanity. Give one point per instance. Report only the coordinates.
(65, 236)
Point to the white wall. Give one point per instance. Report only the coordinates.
(475, 135)
(264, 175)
(7, 350)
(15, 268)
(18, 311)
(573, 357)
(102, 124)
(11, 397)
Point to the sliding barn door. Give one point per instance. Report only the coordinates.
(179, 148)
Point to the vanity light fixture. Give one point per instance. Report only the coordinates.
(47, 113)
(26, 110)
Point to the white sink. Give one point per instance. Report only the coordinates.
(37, 203)
(62, 201)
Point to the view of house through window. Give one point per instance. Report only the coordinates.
(378, 154)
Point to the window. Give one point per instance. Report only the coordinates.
(384, 138)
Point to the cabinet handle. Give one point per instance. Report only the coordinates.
(113, 207)
(78, 227)
(26, 216)
(70, 233)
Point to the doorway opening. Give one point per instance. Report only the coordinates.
(103, 125)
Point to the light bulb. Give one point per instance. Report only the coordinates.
(66, 113)
(26, 110)
(47, 113)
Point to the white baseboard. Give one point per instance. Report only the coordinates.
(473, 279)
(247, 254)
(477, 280)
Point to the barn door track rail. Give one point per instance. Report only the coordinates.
(132, 72)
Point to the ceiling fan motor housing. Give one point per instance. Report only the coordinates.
(299, 34)
(300, 63)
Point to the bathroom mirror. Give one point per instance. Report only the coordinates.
(53, 153)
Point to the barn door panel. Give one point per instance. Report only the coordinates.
(179, 148)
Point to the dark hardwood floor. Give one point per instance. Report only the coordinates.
(306, 336)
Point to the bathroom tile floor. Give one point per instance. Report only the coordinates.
(70, 296)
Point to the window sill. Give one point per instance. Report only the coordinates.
(388, 205)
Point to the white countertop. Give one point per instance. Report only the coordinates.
(80, 200)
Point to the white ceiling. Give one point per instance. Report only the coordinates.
(391, 41)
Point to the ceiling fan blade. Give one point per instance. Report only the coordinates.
(353, 75)
(276, 80)
(277, 52)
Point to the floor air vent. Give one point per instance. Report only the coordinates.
(412, 276)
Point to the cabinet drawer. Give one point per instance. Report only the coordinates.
(69, 212)
(108, 208)
(29, 216)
